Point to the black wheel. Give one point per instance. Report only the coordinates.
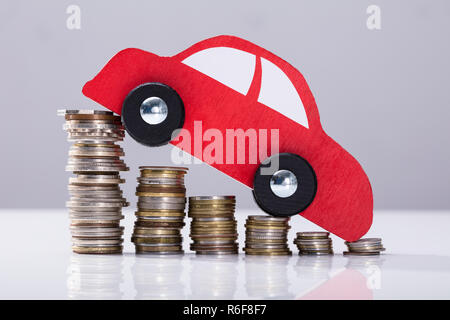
(151, 113)
(287, 190)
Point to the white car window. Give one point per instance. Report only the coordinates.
(278, 93)
(232, 67)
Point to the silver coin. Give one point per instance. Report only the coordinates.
(93, 217)
(201, 198)
(211, 219)
(96, 194)
(76, 180)
(160, 244)
(79, 153)
(316, 241)
(159, 253)
(101, 132)
(268, 218)
(100, 242)
(271, 233)
(95, 169)
(63, 112)
(95, 161)
(99, 125)
(94, 188)
(364, 240)
(218, 253)
(215, 242)
(313, 234)
(160, 168)
(161, 206)
(78, 204)
(158, 200)
(265, 246)
(94, 198)
(158, 181)
(157, 219)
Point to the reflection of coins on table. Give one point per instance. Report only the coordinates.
(213, 226)
(266, 236)
(160, 210)
(314, 243)
(96, 200)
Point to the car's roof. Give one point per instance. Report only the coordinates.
(293, 74)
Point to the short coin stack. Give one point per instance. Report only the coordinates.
(213, 227)
(314, 243)
(364, 247)
(265, 235)
(160, 215)
(96, 200)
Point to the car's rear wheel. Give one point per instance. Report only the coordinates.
(287, 189)
(151, 113)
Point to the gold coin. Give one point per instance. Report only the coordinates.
(284, 253)
(138, 240)
(111, 118)
(150, 231)
(250, 227)
(160, 213)
(98, 250)
(265, 241)
(159, 194)
(142, 248)
(265, 250)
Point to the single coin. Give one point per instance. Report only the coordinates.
(160, 213)
(97, 242)
(63, 112)
(98, 250)
(268, 218)
(172, 240)
(143, 230)
(367, 253)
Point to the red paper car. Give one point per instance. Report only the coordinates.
(228, 83)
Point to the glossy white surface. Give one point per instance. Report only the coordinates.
(37, 263)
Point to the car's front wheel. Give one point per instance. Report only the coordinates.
(151, 113)
(284, 185)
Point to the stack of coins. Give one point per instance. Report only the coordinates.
(160, 210)
(314, 243)
(364, 247)
(96, 200)
(266, 235)
(213, 227)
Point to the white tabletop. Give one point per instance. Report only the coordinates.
(37, 263)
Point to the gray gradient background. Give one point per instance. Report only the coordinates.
(383, 95)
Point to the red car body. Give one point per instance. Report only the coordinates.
(343, 203)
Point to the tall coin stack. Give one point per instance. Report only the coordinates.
(96, 201)
(364, 247)
(314, 243)
(160, 215)
(266, 235)
(213, 227)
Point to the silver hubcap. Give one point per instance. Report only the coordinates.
(154, 110)
(283, 183)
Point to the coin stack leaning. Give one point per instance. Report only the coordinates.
(160, 210)
(314, 243)
(213, 226)
(96, 201)
(266, 235)
(364, 247)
